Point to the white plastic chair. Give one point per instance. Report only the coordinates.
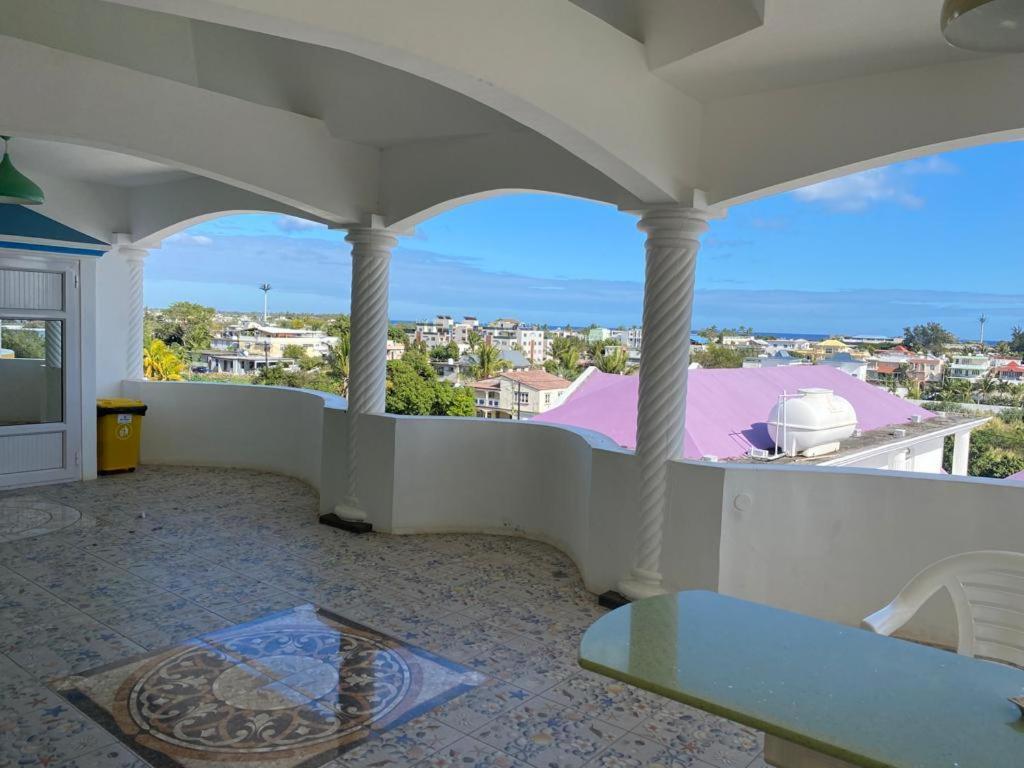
(987, 588)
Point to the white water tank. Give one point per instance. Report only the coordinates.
(813, 423)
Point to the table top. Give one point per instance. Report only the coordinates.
(873, 701)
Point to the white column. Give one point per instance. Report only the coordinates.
(368, 350)
(673, 239)
(961, 452)
(135, 259)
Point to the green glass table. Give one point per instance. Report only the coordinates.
(823, 693)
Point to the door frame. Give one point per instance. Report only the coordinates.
(71, 366)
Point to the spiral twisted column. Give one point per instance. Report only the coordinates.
(371, 259)
(135, 258)
(673, 239)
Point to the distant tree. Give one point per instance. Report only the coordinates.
(997, 463)
(411, 393)
(296, 352)
(565, 357)
(717, 356)
(473, 338)
(337, 363)
(488, 362)
(24, 344)
(930, 337)
(613, 360)
(445, 351)
(1003, 348)
(418, 357)
(397, 333)
(160, 363)
(185, 324)
(986, 385)
(450, 400)
(338, 327)
(1016, 344)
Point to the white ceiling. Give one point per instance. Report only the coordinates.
(810, 41)
(71, 161)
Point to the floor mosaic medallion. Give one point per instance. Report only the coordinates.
(294, 688)
(24, 516)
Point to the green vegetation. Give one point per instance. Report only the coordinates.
(565, 357)
(24, 344)
(185, 325)
(997, 449)
(930, 337)
(717, 356)
(614, 359)
(488, 361)
(413, 389)
(160, 362)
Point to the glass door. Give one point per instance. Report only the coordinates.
(40, 386)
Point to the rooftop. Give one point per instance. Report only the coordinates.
(220, 547)
(726, 409)
(537, 379)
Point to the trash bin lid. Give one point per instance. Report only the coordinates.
(106, 405)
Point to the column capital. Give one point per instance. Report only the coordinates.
(371, 241)
(674, 223)
(126, 247)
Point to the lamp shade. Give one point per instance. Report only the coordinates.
(15, 187)
(994, 26)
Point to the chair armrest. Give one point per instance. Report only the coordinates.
(890, 618)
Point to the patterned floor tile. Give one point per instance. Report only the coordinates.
(544, 734)
(470, 753)
(712, 739)
(222, 546)
(481, 705)
(608, 700)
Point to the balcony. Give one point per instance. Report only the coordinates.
(230, 536)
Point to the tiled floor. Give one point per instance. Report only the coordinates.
(222, 547)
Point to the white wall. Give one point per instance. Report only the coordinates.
(839, 544)
(111, 324)
(222, 425)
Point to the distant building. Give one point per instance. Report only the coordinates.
(240, 364)
(519, 394)
(630, 337)
(968, 368)
(847, 363)
(925, 369)
(774, 360)
(598, 334)
(461, 369)
(395, 350)
(254, 339)
(1011, 373)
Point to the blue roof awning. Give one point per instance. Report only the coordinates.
(22, 228)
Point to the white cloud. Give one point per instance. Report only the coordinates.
(184, 238)
(859, 191)
(886, 185)
(936, 164)
(295, 224)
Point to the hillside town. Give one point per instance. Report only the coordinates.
(914, 399)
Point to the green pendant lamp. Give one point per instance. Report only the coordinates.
(992, 26)
(16, 187)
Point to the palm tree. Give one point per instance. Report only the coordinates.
(612, 360)
(266, 288)
(473, 338)
(338, 363)
(488, 361)
(986, 386)
(160, 363)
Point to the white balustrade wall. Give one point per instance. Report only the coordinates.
(833, 543)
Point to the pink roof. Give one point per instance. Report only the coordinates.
(726, 408)
(1016, 478)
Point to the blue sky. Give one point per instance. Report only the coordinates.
(937, 238)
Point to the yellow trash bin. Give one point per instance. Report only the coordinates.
(118, 434)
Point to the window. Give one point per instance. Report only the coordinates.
(31, 371)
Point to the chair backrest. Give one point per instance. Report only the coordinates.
(987, 589)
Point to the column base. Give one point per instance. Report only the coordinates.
(347, 516)
(352, 526)
(640, 585)
(612, 599)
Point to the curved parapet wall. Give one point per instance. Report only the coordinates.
(225, 425)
